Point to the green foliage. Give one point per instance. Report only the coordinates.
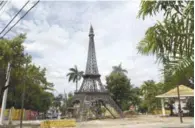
(36, 86)
(143, 107)
(135, 96)
(70, 96)
(75, 75)
(171, 41)
(33, 77)
(119, 69)
(11, 51)
(122, 90)
(149, 90)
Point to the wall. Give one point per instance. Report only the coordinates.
(16, 113)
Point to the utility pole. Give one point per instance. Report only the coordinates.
(3, 106)
(23, 95)
(181, 121)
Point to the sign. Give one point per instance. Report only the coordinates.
(58, 123)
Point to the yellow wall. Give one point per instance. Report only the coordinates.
(58, 123)
(159, 111)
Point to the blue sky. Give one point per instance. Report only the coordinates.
(57, 38)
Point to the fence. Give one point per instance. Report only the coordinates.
(16, 114)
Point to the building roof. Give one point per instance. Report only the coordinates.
(183, 90)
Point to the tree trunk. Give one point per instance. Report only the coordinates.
(2, 81)
(76, 85)
(171, 109)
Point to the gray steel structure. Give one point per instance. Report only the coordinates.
(92, 93)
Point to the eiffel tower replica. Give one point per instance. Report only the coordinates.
(92, 94)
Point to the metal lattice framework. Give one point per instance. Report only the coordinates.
(92, 94)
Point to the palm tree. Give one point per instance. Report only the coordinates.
(119, 69)
(149, 89)
(75, 75)
(172, 40)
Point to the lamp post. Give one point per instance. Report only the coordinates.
(179, 107)
(3, 106)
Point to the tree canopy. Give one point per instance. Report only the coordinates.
(119, 69)
(121, 89)
(37, 95)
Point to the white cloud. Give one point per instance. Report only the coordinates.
(58, 32)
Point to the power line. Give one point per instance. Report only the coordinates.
(14, 17)
(3, 10)
(21, 17)
(3, 4)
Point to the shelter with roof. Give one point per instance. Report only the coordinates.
(184, 91)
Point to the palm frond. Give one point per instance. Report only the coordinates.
(73, 69)
(69, 74)
(74, 75)
(71, 77)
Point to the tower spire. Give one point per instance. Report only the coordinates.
(91, 67)
(91, 33)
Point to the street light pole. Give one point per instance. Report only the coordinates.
(181, 121)
(3, 106)
(23, 96)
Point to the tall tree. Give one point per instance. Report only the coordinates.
(12, 51)
(37, 88)
(37, 85)
(122, 91)
(75, 75)
(172, 40)
(119, 69)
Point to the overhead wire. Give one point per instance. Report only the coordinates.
(3, 10)
(3, 5)
(14, 17)
(20, 19)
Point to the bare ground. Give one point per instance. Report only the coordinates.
(144, 121)
(141, 121)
